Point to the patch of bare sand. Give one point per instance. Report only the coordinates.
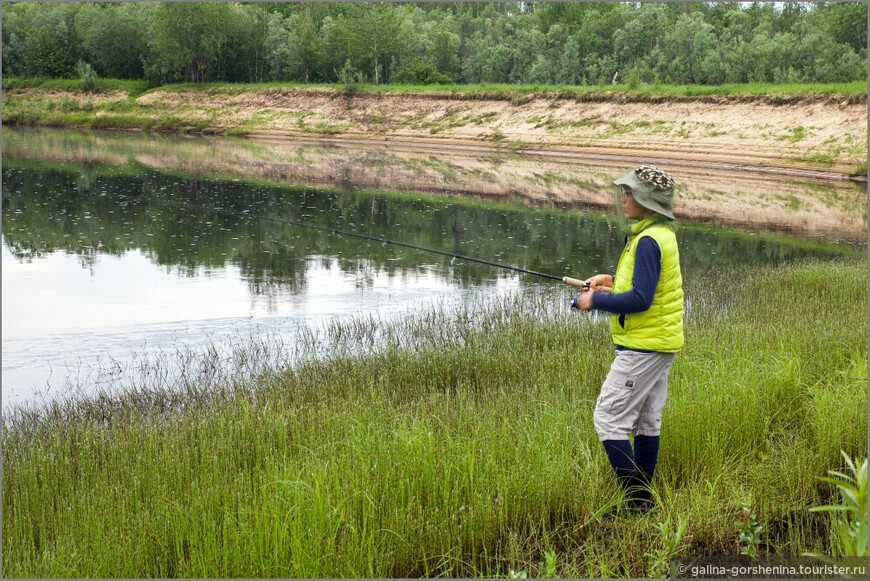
(818, 133)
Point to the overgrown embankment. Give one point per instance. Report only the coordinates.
(464, 449)
(820, 130)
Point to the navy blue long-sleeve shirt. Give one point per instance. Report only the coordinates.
(644, 278)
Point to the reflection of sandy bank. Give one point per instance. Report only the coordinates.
(705, 194)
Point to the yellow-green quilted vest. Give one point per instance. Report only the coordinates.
(659, 328)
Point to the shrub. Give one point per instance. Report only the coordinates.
(422, 73)
(350, 77)
(87, 75)
(634, 78)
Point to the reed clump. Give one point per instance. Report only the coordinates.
(456, 444)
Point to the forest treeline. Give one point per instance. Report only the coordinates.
(575, 43)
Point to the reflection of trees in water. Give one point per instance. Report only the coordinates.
(175, 222)
(87, 257)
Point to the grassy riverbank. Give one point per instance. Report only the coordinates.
(811, 127)
(855, 89)
(116, 104)
(464, 449)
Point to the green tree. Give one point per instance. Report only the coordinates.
(788, 15)
(761, 13)
(473, 63)
(508, 42)
(243, 57)
(114, 38)
(373, 29)
(498, 64)
(556, 39)
(570, 66)
(685, 46)
(48, 33)
(641, 34)
(737, 26)
(825, 60)
(846, 23)
(277, 44)
(15, 25)
(541, 71)
(570, 15)
(336, 49)
(444, 52)
(595, 36)
(13, 55)
(48, 53)
(417, 29)
(766, 57)
(527, 44)
(187, 38)
(305, 44)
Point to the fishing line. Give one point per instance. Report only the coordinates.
(247, 214)
(375, 239)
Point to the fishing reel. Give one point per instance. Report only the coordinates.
(582, 284)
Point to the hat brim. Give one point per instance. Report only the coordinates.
(640, 192)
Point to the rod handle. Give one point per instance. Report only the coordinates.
(575, 282)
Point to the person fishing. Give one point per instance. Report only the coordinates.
(645, 301)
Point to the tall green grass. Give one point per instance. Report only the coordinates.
(459, 445)
(133, 88)
(853, 89)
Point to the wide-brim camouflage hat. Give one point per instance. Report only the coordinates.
(651, 187)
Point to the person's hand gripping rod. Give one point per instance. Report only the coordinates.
(597, 282)
(576, 282)
(582, 284)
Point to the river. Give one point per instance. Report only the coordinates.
(122, 269)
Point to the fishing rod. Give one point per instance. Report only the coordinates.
(567, 280)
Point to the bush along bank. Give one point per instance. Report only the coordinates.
(464, 449)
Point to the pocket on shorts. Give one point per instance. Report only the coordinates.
(621, 397)
(619, 388)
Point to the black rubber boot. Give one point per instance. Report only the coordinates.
(638, 496)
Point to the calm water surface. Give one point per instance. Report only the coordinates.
(116, 274)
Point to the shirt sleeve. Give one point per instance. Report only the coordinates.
(647, 269)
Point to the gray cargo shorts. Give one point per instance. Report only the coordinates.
(633, 395)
